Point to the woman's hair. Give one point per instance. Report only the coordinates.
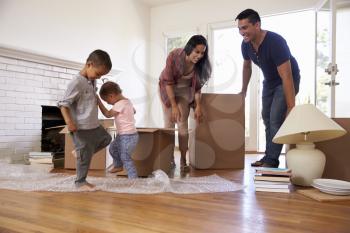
(203, 66)
(110, 88)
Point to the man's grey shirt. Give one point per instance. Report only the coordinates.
(80, 98)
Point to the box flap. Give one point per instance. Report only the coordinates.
(64, 130)
(168, 129)
(147, 130)
(106, 123)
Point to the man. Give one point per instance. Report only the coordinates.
(271, 53)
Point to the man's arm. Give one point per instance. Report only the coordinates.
(285, 72)
(247, 73)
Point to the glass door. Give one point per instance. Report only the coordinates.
(333, 58)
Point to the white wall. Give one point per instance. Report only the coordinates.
(72, 29)
(196, 15)
(26, 86)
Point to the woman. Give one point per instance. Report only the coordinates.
(187, 70)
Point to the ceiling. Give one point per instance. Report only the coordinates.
(153, 3)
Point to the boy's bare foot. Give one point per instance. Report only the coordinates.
(87, 187)
(115, 169)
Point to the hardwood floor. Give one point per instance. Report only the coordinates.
(242, 211)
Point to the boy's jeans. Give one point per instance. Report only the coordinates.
(87, 143)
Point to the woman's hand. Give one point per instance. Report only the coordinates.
(175, 114)
(198, 114)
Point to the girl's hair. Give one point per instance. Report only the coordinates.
(110, 88)
(203, 66)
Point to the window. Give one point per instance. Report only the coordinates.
(173, 42)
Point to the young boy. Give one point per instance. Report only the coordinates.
(123, 112)
(80, 112)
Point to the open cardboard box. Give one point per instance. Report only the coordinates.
(218, 142)
(153, 151)
(99, 160)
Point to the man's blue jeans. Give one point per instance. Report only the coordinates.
(274, 109)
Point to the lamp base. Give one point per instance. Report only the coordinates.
(306, 163)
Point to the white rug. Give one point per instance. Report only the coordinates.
(38, 178)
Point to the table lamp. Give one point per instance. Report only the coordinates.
(304, 125)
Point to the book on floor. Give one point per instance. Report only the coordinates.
(274, 171)
(277, 190)
(272, 186)
(272, 178)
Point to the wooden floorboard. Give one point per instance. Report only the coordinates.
(241, 211)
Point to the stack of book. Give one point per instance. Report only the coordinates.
(272, 179)
(40, 157)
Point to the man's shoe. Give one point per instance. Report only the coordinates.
(172, 165)
(268, 165)
(257, 163)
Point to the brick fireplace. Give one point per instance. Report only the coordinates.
(28, 83)
(26, 86)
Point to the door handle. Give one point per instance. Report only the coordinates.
(331, 83)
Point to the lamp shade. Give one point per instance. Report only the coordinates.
(305, 123)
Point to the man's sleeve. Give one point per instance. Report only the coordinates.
(244, 50)
(280, 52)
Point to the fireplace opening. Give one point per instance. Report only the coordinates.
(51, 140)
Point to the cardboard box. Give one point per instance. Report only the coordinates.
(99, 160)
(218, 142)
(154, 150)
(337, 153)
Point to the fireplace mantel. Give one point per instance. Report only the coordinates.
(27, 55)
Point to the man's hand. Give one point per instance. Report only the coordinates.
(243, 93)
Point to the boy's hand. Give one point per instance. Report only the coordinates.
(72, 127)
